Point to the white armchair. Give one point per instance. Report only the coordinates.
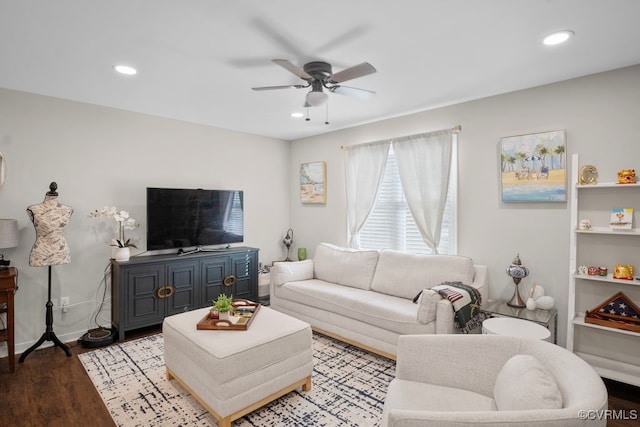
(462, 380)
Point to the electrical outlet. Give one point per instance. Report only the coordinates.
(64, 303)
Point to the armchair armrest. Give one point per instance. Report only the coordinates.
(283, 272)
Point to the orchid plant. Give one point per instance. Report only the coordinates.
(125, 222)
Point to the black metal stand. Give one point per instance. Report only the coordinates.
(49, 335)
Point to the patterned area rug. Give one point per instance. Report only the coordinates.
(348, 389)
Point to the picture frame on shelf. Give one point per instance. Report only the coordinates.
(313, 180)
(621, 218)
(533, 167)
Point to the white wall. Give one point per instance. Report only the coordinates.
(102, 157)
(600, 114)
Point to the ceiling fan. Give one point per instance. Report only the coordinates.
(319, 76)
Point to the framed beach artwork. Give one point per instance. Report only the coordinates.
(533, 167)
(313, 182)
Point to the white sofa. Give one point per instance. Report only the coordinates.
(365, 297)
(491, 380)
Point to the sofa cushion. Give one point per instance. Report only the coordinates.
(403, 274)
(428, 305)
(394, 314)
(282, 272)
(347, 267)
(524, 383)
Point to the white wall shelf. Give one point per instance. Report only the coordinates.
(593, 342)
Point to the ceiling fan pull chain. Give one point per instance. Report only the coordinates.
(307, 119)
(326, 121)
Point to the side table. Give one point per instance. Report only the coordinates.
(8, 287)
(546, 318)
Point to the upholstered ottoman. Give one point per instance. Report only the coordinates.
(232, 373)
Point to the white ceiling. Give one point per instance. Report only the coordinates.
(198, 59)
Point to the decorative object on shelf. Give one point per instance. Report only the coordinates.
(533, 167)
(602, 271)
(545, 302)
(623, 271)
(627, 176)
(588, 175)
(313, 179)
(531, 302)
(617, 312)
(582, 269)
(584, 225)
(517, 272)
(592, 271)
(288, 241)
(122, 245)
(9, 238)
(621, 218)
(302, 254)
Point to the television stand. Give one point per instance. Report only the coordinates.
(201, 249)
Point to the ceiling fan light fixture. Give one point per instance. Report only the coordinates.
(297, 115)
(558, 37)
(315, 99)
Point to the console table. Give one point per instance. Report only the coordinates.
(8, 287)
(546, 318)
(146, 289)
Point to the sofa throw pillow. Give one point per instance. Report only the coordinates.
(427, 302)
(524, 383)
(344, 266)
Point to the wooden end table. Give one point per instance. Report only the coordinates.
(8, 288)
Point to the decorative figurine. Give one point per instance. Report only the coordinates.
(582, 269)
(588, 175)
(592, 271)
(545, 302)
(623, 271)
(585, 224)
(517, 272)
(602, 271)
(627, 176)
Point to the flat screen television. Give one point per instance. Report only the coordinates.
(187, 218)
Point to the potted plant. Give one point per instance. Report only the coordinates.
(223, 305)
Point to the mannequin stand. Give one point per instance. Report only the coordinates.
(49, 335)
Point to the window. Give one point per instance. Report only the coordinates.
(390, 224)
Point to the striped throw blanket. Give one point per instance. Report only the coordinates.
(465, 300)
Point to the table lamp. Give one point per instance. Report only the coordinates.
(9, 237)
(517, 271)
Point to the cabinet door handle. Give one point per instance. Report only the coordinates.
(165, 292)
(229, 280)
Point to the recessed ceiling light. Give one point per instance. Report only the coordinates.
(125, 69)
(558, 37)
(297, 115)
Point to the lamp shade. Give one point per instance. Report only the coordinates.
(9, 235)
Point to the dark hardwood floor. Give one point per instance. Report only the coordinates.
(51, 389)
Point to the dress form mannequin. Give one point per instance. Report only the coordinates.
(50, 248)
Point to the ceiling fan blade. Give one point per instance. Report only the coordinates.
(353, 91)
(280, 87)
(287, 65)
(352, 73)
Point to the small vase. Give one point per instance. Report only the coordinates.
(302, 254)
(224, 315)
(531, 304)
(122, 254)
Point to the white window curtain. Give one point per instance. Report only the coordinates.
(424, 163)
(364, 166)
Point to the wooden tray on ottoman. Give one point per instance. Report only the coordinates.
(208, 323)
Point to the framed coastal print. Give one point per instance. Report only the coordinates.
(313, 180)
(533, 167)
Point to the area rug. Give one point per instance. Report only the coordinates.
(349, 386)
